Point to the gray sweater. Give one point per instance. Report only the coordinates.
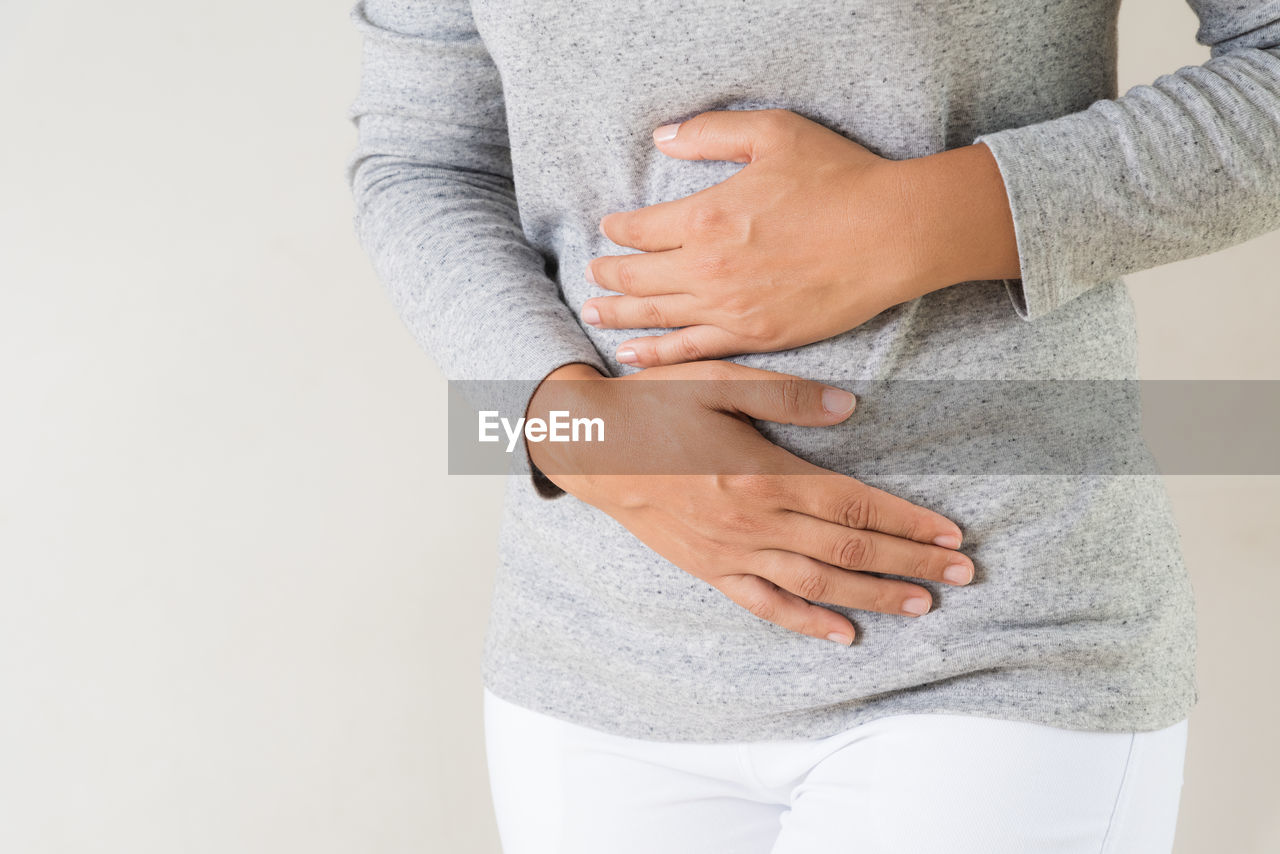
(495, 134)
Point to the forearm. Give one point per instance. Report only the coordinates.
(1183, 167)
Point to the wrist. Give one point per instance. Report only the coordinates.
(570, 388)
(571, 371)
(551, 393)
(962, 228)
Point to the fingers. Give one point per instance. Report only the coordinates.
(816, 581)
(653, 228)
(775, 605)
(810, 489)
(738, 135)
(783, 398)
(848, 502)
(640, 273)
(872, 551)
(691, 344)
(661, 312)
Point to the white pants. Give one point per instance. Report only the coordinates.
(905, 784)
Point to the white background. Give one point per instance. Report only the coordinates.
(241, 605)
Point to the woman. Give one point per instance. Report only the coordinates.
(819, 194)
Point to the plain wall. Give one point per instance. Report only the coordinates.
(241, 604)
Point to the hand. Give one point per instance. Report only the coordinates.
(813, 237)
(766, 528)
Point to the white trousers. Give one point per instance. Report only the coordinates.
(904, 784)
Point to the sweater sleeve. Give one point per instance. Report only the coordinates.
(1183, 167)
(435, 203)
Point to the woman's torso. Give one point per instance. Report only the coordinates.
(1081, 612)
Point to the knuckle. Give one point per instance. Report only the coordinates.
(732, 485)
(755, 487)
(625, 273)
(886, 599)
(762, 604)
(651, 311)
(812, 586)
(911, 527)
(792, 390)
(687, 349)
(711, 264)
(853, 511)
(923, 566)
(706, 220)
(740, 520)
(701, 126)
(854, 551)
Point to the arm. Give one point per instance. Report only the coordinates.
(436, 211)
(435, 202)
(1183, 167)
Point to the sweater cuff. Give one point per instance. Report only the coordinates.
(1053, 211)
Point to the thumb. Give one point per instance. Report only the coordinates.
(786, 399)
(738, 135)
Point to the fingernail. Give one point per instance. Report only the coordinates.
(958, 573)
(916, 606)
(627, 356)
(590, 278)
(666, 132)
(947, 541)
(601, 228)
(840, 638)
(590, 315)
(837, 401)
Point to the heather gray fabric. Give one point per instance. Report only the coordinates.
(1081, 614)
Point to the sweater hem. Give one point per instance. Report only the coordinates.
(1103, 713)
